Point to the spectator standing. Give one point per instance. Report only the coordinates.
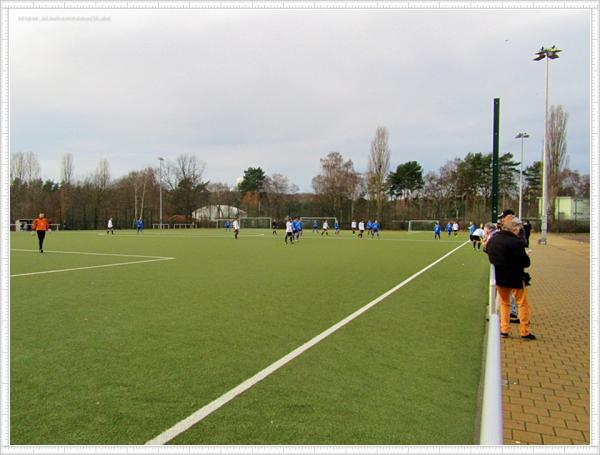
(507, 253)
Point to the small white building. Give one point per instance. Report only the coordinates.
(569, 208)
(216, 212)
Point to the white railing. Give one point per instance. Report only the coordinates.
(492, 427)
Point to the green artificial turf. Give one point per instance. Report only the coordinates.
(117, 355)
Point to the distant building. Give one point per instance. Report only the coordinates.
(569, 208)
(216, 212)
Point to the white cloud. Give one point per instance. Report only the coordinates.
(280, 89)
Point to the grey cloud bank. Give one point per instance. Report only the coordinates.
(280, 89)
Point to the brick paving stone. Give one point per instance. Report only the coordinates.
(575, 435)
(527, 436)
(547, 388)
(555, 440)
(540, 428)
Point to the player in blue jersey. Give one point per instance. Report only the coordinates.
(336, 227)
(299, 228)
(294, 228)
(139, 224)
(449, 228)
(227, 226)
(369, 227)
(472, 228)
(315, 227)
(437, 230)
(375, 229)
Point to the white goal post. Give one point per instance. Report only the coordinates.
(26, 227)
(421, 225)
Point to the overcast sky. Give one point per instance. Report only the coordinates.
(280, 89)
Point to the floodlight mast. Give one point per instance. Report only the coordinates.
(547, 54)
(160, 159)
(521, 136)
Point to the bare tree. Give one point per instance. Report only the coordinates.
(218, 190)
(66, 177)
(379, 165)
(337, 181)
(140, 180)
(278, 188)
(556, 148)
(25, 167)
(101, 177)
(66, 169)
(185, 181)
(186, 167)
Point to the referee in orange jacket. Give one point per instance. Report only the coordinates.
(40, 225)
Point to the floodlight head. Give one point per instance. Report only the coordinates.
(525, 135)
(540, 55)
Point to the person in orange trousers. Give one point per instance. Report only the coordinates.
(40, 225)
(507, 252)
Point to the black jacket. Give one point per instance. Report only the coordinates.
(507, 252)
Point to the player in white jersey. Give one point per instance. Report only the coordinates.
(289, 231)
(477, 237)
(361, 229)
(353, 225)
(110, 227)
(325, 228)
(236, 228)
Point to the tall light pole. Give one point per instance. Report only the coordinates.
(547, 54)
(160, 190)
(521, 136)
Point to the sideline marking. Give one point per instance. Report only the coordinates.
(176, 236)
(151, 259)
(205, 411)
(94, 254)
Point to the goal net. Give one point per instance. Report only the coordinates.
(160, 226)
(421, 225)
(248, 222)
(308, 221)
(257, 222)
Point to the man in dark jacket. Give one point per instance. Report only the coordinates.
(507, 252)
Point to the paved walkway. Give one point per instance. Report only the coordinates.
(546, 392)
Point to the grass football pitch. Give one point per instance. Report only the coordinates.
(118, 346)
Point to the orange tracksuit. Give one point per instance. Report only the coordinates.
(40, 224)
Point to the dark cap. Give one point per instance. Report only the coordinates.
(506, 212)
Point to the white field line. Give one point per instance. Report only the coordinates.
(150, 259)
(90, 267)
(367, 239)
(175, 236)
(205, 411)
(94, 254)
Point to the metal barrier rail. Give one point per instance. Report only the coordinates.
(492, 427)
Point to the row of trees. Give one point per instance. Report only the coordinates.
(460, 189)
